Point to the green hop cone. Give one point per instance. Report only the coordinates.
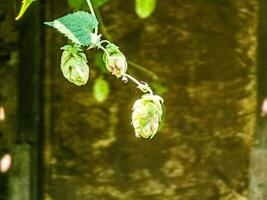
(115, 60)
(146, 115)
(74, 65)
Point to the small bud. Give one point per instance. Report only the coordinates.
(95, 40)
(146, 115)
(74, 65)
(115, 60)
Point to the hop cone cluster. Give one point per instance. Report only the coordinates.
(146, 116)
(115, 60)
(81, 28)
(74, 65)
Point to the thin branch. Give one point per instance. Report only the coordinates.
(109, 37)
(102, 26)
(143, 69)
(144, 87)
(92, 12)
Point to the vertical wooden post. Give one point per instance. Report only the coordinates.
(26, 178)
(258, 157)
(20, 184)
(258, 177)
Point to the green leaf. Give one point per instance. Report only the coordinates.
(74, 65)
(76, 4)
(144, 8)
(77, 27)
(98, 3)
(100, 90)
(24, 7)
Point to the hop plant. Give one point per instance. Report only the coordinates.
(74, 65)
(146, 115)
(115, 60)
(82, 29)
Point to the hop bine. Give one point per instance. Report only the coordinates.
(146, 116)
(82, 29)
(74, 65)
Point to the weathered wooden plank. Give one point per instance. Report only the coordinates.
(258, 155)
(258, 174)
(20, 177)
(30, 102)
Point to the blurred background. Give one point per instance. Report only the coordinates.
(206, 58)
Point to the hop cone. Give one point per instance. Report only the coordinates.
(114, 60)
(74, 65)
(146, 115)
